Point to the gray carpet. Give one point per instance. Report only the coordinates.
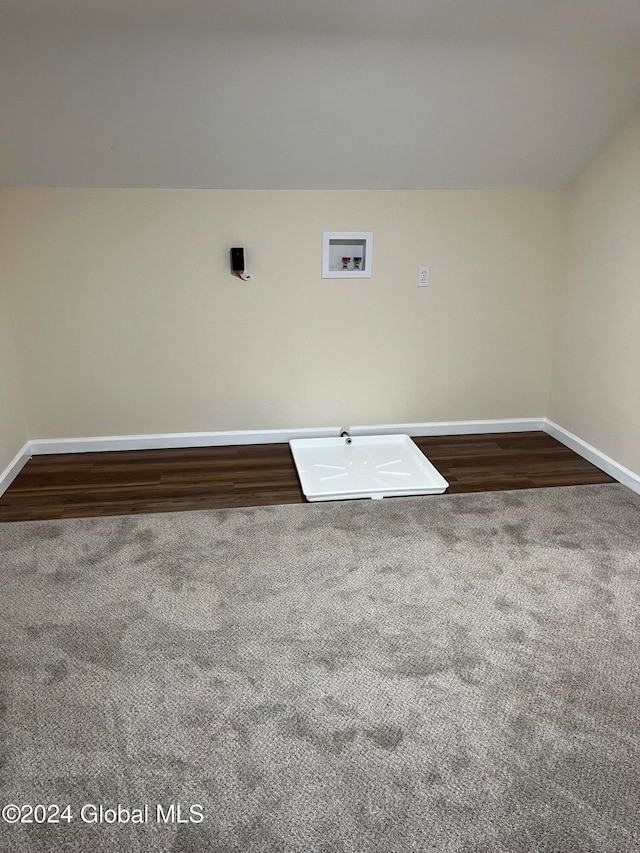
(452, 674)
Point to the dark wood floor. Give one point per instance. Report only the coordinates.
(92, 484)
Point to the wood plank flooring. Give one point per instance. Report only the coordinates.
(140, 481)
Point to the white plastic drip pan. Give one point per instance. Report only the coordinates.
(371, 466)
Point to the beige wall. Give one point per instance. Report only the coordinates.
(129, 322)
(596, 381)
(13, 434)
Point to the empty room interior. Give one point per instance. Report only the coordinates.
(320, 426)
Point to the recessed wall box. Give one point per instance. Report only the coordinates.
(237, 260)
(347, 254)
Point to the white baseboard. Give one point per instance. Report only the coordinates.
(42, 446)
(452, 427)
(596, 457)
(14, 467)
(97, 444)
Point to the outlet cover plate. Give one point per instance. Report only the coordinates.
(423, 276)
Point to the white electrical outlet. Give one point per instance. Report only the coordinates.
(423, 276)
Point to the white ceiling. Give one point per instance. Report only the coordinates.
(290, 93)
